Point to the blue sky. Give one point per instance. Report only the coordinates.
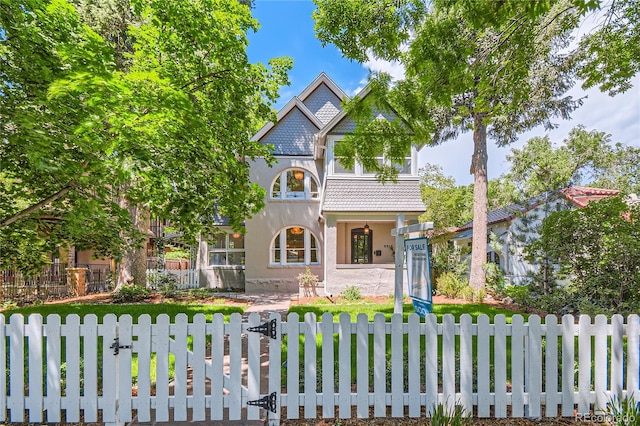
(287, 30)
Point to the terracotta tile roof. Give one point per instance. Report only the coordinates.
(369, 195)
(582, 195)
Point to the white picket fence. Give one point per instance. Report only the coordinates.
(185, 278)
(82, 369)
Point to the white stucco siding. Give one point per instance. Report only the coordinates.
(277, 215)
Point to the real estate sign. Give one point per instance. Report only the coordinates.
(419, 274)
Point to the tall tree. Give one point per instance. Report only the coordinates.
(583, 158)
(163, 123)
(497, 75)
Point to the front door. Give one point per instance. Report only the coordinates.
(361, 247)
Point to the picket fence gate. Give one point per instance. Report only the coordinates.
(90, 370)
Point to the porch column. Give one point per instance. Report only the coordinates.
(330, 251)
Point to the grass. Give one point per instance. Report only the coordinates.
(135, 310)
(370, 309)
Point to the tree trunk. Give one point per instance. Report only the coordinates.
(479, 171)
(132, 269)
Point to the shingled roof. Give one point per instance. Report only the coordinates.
(369, 195)
(579, 195)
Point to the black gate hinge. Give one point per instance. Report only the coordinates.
(267, 402)
(269, 329)
(116, 346)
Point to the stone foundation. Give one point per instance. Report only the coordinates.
(370, 280)
(271, 285)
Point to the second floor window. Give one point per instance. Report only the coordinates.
(295, 184)
(337, 164)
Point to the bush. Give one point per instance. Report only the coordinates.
(449, 285)
(129, 294)
(466, 293)
(351, 294)
(202, 292)
(479, 295)
(494, 278)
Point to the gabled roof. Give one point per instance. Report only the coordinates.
(321, 137)
(339, 126)
(295, 102)
(578, 195)
(369, 195)
(298, 102)
(317, 82)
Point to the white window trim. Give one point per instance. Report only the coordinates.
(358, 169)
(282, 235)
(226, 250)
(307, 195)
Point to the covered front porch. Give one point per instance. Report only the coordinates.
(360, 251)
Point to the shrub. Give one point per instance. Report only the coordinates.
(8, 305)
(521, 294)
(494, 278)
(466, 293)
(351, 294)
(129, 294)
(202, 292)
(449, 285)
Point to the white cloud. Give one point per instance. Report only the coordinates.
(394, 68)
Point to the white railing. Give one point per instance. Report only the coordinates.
(82, 368)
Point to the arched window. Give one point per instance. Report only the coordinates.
(493, 257)
(295, 246)
(295, 184)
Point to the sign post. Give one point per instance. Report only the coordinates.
(399, 232)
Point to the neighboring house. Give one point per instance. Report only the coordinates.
(318, 213)
(516, 225)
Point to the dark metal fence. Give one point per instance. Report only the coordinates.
(51, 283)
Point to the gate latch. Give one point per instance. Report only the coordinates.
(267, 402)
(269, 329)
(116, 346)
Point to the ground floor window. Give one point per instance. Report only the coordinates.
(493, 257)
(227, 249)
(295, 246)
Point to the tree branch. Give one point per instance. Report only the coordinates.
(213, 74)
(61, 193)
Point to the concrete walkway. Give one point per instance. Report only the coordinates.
(264, 304)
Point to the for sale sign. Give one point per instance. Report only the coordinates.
(419, 274)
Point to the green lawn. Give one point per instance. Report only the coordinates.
(370, 309)
(135, 310)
